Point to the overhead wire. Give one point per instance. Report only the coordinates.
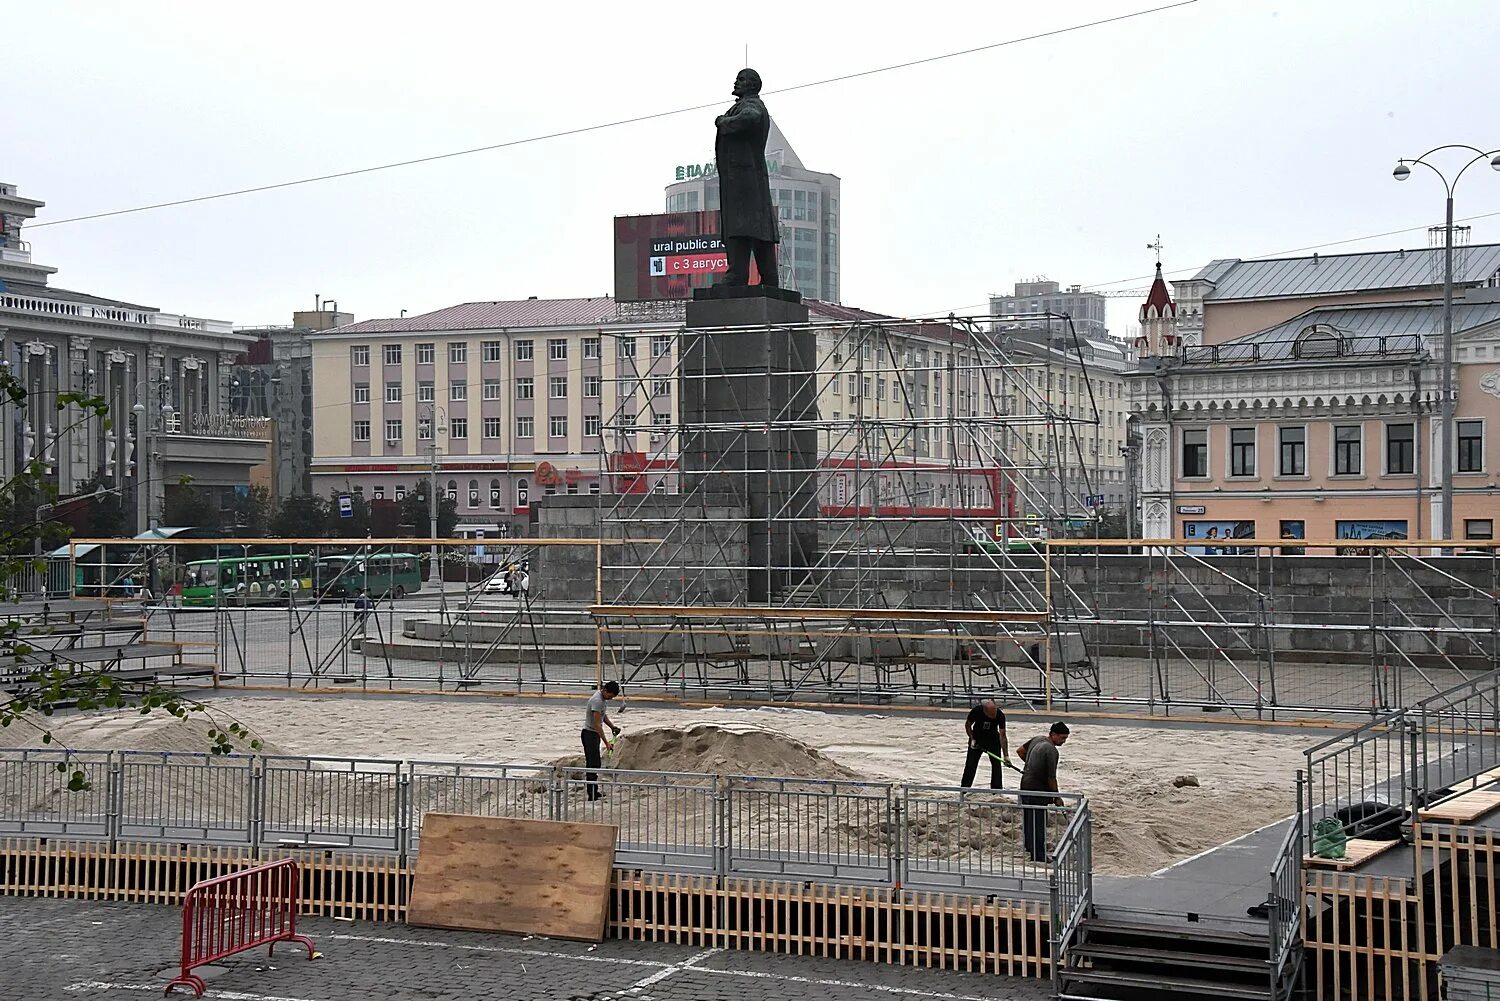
(635, 120)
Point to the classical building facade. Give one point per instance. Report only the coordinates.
(1300, 399)
(165, 377)
(503, 402)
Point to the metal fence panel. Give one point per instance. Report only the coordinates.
(667, 820)
(34, 795)
(520, 791)
(811, 828)
(342, 802)
(178, 795)
(972, 838)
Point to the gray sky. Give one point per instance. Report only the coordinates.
(1234, 128)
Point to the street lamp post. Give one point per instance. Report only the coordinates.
(436, 421)
(1401, 173)
(147, 429)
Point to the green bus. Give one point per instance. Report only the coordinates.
(378, 575)
(247, 580)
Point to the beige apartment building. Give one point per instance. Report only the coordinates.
(503, 402)
(1300, 399)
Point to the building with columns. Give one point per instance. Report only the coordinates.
(165, 377)
(1301, 398)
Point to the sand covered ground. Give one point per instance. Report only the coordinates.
(1142, 821)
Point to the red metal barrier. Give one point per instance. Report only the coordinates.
(243, 910)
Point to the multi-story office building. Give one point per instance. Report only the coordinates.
(1300, 398)
(165, 377)
(273, 379)
(1028, 307)
(807, 203)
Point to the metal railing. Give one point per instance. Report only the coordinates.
(1459, 736)
(1284, 906)
(1071, 884)
(877, 833)
(1363, 778)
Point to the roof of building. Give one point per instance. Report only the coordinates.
(1373, 330)
(51, 292)
(1284, 277)
(489, 315)
(1158, 301)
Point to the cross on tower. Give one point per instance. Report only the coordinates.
(1156, 247)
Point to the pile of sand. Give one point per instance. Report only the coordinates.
(729, 748)
(129, 730)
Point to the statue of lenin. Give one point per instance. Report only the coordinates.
(748, 219)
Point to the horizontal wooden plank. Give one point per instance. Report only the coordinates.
(1357, 853)
(1463, 808)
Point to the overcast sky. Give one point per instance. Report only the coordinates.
(1234, 128)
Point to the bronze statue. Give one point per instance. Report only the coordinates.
(748, 219)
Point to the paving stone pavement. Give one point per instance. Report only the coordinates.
(90, 951)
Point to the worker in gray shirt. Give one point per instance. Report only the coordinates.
(1038, 782)
(595, 719)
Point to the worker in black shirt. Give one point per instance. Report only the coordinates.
(985, 728)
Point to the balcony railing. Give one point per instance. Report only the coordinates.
(219, 426)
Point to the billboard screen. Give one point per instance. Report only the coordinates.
(667, 256)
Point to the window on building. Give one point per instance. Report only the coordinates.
(379, 492)
(489, 351)
(392, 354)
(865, 387)
(424, 429)
(1293, 451)
(492, 389)
(525, 350)
(458, 352)
(361, 430)
(453, 490)
(361, 392)
(557, 387)
(660, 418)
(591, 387)
(426, 391)
(853, 387)
(525, 427)
(458, 390)
(1195, 452)
(426, 353)
(393, 431)
(393, 392)
(473, 493)
(1400, 449)
(626, 347)
(1348, 449)
(525, 388)
(627, 423)
(879, 389)
(494, 493)
(492, 427)
(557, 348)
(557, 427)
(400, 493)
(359, 355)
(594, 486)
(660, 345)
(661, 387)
(591, 347)
(1470, 435)
(458, 427)
(1479, 529)
(591, 424)
(1242, 451)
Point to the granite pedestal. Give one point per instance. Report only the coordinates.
(747, 395)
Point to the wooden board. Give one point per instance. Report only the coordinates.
(1358, 852)
(525, 877)
(1462, 808)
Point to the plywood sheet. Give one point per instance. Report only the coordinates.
(1357, 852)
(525, 877)
(1462, 809)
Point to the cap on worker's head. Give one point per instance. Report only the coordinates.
(1060, 728)
(612, 687)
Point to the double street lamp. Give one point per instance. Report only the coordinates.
(1401, 173)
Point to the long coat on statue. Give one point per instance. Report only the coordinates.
(744, 184)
